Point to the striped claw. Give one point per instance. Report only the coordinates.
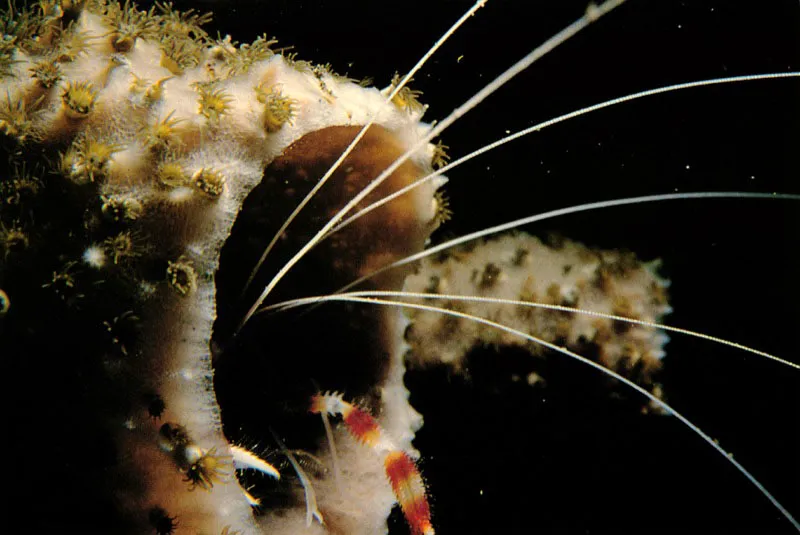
(405, 478)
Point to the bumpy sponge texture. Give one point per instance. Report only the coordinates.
(521, 267)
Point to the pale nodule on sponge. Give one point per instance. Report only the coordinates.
(519, 267)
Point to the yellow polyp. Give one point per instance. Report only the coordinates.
(170, 64)
(209, 182)
(15, 117)
(172, 175)
(50, 9)
(208, 467)
(443, 211)
(21, 189)
(185, 24)
(156, 91)
(68, 161)
(179, 53)
(138, 85)
(213, 103)
(278, 109)
(88, 160)
(73, 44)
(182, 277)
(122, 43)
(13, 240)
(129, 24)
(7, 61)
(118, 209)
(47, 73)
(78, 99)
(120, 247)
(114, 61)
(152, 92)
(406, 99)
(161, 135)
(440, 157)
(63, 283)
(239, 60)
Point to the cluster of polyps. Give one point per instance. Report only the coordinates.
(158, 133)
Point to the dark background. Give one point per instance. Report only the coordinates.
(500, 457)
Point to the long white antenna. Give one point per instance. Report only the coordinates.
(306, 301)
(570, 210)
(479, 4)
(553, 121)
(590, 16)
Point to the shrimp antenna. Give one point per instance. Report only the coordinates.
(566, 211)
(312, 511)
(555, 120)
(591, 15)
(326, 423)
(400, 85)
(286, 305)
